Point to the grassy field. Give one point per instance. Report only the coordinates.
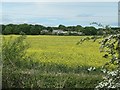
(61, 59)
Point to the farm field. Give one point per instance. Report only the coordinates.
(61, 60)
(63, 50)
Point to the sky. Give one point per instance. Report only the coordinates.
(56, 13)
(60, 0)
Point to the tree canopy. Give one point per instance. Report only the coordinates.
(30, 29)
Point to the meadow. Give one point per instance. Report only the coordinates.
(61, 60)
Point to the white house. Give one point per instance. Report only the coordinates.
(59, 32)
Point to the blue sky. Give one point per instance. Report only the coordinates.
(55, 13)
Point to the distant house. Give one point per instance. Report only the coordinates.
(75, 33)
(80, 33)
(59, 32)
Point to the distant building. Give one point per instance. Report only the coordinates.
(59, 32)
(75, 33)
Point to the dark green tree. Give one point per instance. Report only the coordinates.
(62, 27)
(90, 31)
(8, 30)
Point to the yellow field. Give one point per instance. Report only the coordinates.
(63, 50)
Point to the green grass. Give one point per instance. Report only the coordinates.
(52, 80)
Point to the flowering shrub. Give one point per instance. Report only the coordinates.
(110, 45)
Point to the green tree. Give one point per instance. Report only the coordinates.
(79, 28)
(50, 29)
(62, 27)
(8, 30)
(24, 28)
(90, 31)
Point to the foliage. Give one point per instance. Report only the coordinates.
(14, 51)
(111, 45)
(90, 31)
(15, 59)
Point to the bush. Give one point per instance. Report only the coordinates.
(15, 60)
(14, 51)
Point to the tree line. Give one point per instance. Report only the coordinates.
(29, 29)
